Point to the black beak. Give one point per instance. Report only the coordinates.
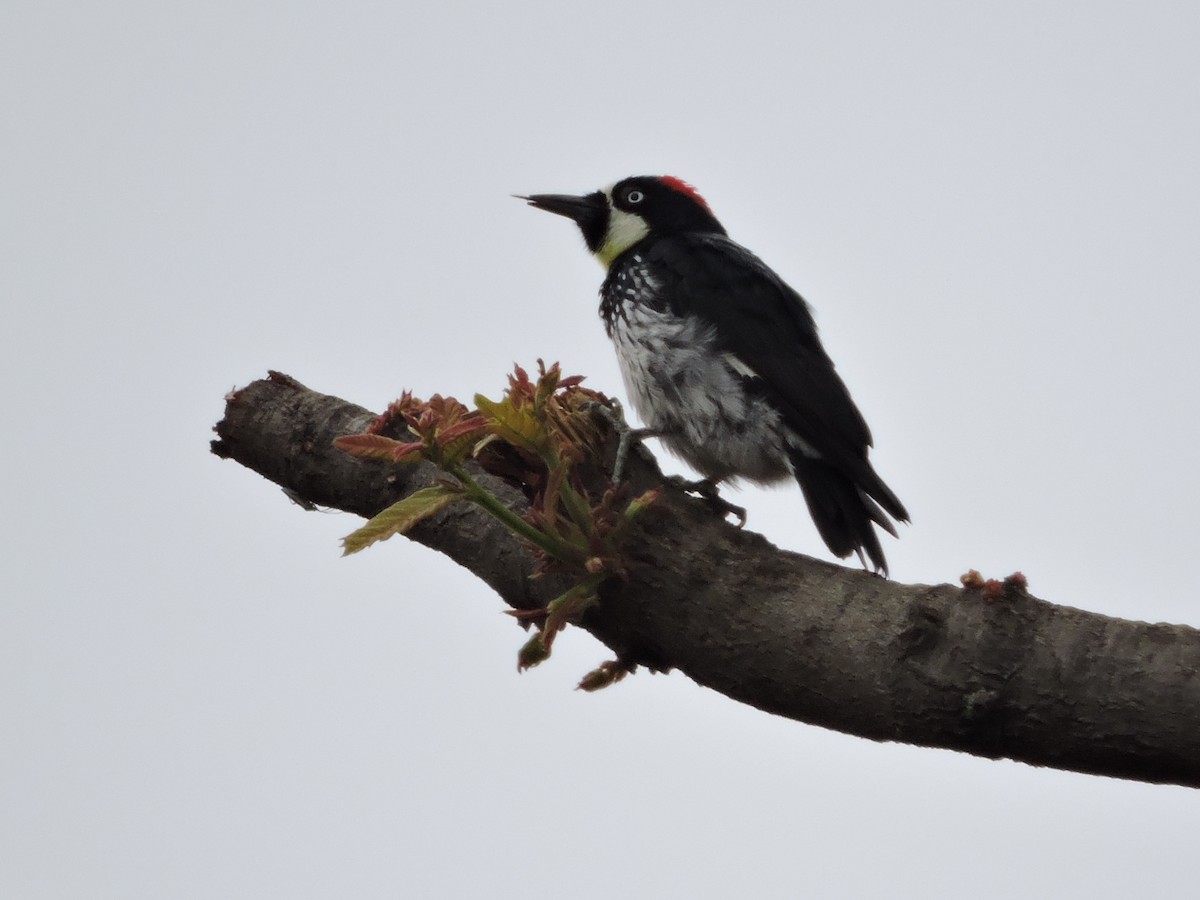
(590, 212)
(578, 208)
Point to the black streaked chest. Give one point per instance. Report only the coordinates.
(631, 286)
(683, 385)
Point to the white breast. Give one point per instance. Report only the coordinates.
(695, 397)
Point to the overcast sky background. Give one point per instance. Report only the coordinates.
(995, 211)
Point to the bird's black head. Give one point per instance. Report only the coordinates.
(614, 219)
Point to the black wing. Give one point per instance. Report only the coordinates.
(767, 326)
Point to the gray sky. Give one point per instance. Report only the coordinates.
(994, 209)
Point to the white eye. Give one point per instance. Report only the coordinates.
(635, 196)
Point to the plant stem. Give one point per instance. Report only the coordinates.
(477, 494)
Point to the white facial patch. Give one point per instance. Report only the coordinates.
(624, 230)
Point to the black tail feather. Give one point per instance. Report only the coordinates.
(846, 509)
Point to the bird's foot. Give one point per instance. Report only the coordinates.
(707, 489)
(626, 436)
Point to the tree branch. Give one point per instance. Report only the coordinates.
(933, 665)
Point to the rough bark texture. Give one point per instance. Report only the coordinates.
(933, 665)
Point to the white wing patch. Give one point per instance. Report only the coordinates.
(735, 363)
(802, 445)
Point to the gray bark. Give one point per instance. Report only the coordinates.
(933, 665)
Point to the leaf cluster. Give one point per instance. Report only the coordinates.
(536, 434)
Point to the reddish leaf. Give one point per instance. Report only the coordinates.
(369, 446)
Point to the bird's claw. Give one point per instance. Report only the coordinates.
(626, 436)
(708, 491)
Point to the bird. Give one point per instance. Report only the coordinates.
(722, 361)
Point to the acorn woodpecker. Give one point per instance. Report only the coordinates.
(721, 358)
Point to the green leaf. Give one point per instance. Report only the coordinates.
(639, 505)
(533, 652)
(401, 516)
(568, 607)
(517, 426)
(603, 675)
